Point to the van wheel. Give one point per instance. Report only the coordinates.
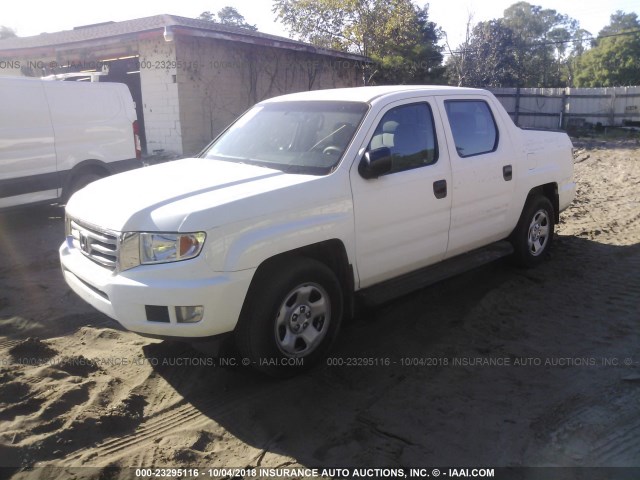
(291, 317)
(82, 181)
(533, 235)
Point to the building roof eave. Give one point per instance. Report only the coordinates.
(284, 44)
(110, 33)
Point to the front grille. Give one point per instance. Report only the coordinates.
(98, 245)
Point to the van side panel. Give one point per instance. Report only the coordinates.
(55, 133)
(27, 154)
(91, 121)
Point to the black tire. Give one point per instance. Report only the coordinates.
(533, 236)
(294, 293)
(82, 181)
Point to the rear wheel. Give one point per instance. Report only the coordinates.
(291, 316)
(533, 235)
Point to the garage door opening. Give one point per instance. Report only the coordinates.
(126, 70)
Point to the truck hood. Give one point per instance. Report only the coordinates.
(179, 196)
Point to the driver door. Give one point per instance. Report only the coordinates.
(402, 217)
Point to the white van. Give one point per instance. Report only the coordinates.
(56, 137)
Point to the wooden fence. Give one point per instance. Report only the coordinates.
(561, 108)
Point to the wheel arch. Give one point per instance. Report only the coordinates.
(331, 253)
(549, 190)
(520, 237)
(83, 168)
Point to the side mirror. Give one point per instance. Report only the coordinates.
(375, 163)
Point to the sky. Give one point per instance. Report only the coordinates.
(31, 18)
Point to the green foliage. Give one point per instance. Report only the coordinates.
(492, 59)
(395, 34)
(227, 16)
(528, 47)
(620, 22)
(231, 16)
(542, 38)
(416, 59)
(208, 16)
(614, 59)
(535, 47)
(6, 32)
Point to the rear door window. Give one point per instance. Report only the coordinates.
(473, 127)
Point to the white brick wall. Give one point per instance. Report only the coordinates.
(160, 99)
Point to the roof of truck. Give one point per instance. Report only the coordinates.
(369, 94)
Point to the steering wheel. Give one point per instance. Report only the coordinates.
(332, 150)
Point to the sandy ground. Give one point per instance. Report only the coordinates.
(497, 367)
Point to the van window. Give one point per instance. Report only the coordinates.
(473, 127)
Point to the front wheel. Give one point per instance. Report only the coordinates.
(291, 316)
(533, 235)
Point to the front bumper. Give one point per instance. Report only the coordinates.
(125, 296)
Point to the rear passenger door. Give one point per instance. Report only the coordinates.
(402, 217)
(27, 152)
(482, 170)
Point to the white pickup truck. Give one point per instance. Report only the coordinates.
(308, 203)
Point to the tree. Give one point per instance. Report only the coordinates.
(208, 16)
(491, 59)
(620, 22)
(6, 32)
(581, 38)
(541, 40)
(227, 16)
(414, 61)
(528, 47)
(231, 16)
(458, 65)
(613, 59)
(395, 34)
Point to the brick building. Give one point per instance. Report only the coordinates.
(190, 78)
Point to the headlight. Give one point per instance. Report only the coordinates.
(151, 248)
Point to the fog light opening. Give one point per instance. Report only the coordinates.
(191, 314)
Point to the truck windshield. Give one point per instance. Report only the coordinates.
(306, 137)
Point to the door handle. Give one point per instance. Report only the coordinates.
(507, 172)
(440, 188)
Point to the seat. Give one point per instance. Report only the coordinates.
(384, 138)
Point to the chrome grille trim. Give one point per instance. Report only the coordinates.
(97, 244)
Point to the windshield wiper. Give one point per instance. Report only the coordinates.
(323, 139)
(242, 161)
